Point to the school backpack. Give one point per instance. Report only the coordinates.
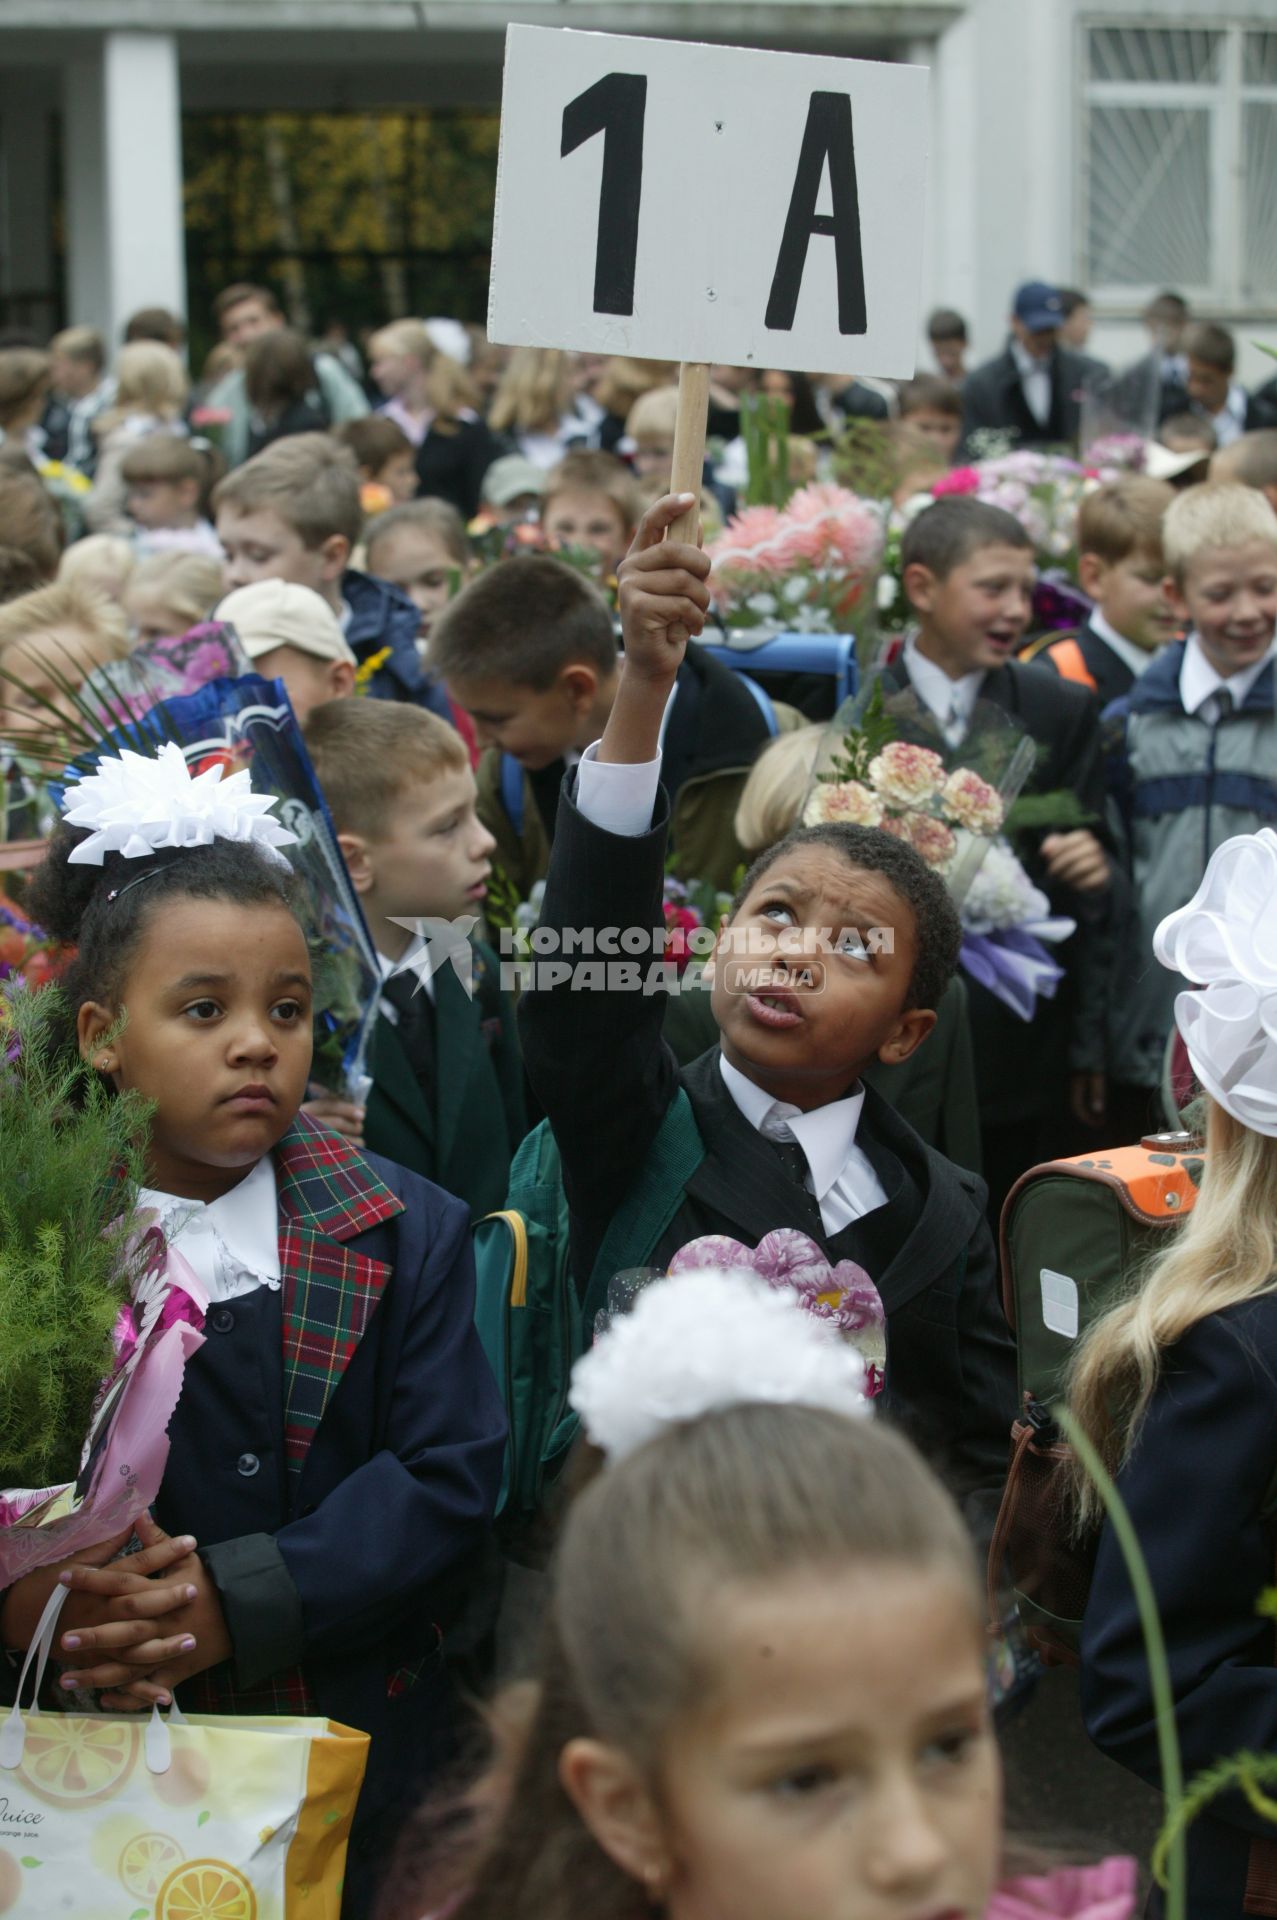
(533, 1317)
(1074, 1237)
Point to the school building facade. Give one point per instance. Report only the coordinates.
(1110, 144)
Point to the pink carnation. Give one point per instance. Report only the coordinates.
(830, 526)
(906, 774)
(957, 480)
(847, 800)
(931, 838)
(748, 543)
(972, 802)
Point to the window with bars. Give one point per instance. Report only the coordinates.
(1179, 162)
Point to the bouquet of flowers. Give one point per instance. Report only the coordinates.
(1005, 922)
(789, 1261)
(97, 1318)
(801, 568)
(884, 764)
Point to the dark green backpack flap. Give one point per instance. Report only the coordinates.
(1068, 1245)
(650, 1205)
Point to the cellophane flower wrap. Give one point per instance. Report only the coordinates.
(883, 762)
(97, 1318)
(802, 568)
(840, 1293)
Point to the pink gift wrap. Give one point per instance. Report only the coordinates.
(127, 1446)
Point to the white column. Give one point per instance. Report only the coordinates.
(123, 165)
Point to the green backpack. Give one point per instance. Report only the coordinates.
(532, 1319)
(1075, 1233)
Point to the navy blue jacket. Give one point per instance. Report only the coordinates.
(1197, 1488)
(382, 616)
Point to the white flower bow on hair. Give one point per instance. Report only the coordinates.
(705, 1340)
(1226, 939)
(136, 805)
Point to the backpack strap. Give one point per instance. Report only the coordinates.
(652, 1201)
(763, 701)
(512, 790)
(1070, 663)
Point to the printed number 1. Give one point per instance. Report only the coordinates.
(615, 107)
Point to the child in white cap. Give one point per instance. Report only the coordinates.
(291, 634)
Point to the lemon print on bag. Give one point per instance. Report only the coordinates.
(206, 1890)
(70, 1762)
(146, 1863)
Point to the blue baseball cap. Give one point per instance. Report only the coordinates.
(1038, 306)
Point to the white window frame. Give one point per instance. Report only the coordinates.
(1225, 99)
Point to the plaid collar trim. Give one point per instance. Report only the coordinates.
(327, 1185)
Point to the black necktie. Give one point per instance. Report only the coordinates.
(416, 1023)
(792, 1159)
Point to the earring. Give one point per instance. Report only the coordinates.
(104, 1063)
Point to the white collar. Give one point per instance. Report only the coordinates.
(933, 685)
(1198, 680)
(1027, 364)
(826, 1134)
(1126, 650)
(245, 1221)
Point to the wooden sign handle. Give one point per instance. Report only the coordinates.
(689, 446)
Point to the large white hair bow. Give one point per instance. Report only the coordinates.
(1226, 939)
(705, 1340)
(136, 805)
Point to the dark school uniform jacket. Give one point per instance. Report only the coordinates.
(1021, 1066)
(336, 1451)
(598, 1064)
(452, 460)
(455, 1115)
(993, 400)
(715, 732)
(1086, 659)
(1198, 1488)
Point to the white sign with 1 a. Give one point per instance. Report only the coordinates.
(683, 202)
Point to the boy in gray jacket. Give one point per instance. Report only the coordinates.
(1191, 756)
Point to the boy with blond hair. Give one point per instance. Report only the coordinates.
(293, 513)
(1120, 569)
(1192, 749)
(591, 502)
(447, 1086)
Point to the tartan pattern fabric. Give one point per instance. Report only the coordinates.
(328, 1194)
(215, 1691)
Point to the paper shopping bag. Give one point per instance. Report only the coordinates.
(216, 1817)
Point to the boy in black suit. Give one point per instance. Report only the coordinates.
(791, 1137)
(968, 572)
(447, 1086)
(1120, 567)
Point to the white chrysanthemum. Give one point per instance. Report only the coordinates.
(136, 805)
(707, 1340)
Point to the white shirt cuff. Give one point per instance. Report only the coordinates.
(619, 796)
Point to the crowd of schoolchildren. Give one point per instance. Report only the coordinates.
(760, 1688)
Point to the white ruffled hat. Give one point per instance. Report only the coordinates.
(1226, 939)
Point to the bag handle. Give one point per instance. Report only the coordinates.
(157, 1745)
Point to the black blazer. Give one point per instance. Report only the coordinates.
(451, 465)
(993, 399)
(604, 1075)
(1111, 675)
(1021, 1068)
(1197, 1487)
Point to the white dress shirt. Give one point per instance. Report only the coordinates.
(1230, 422)
(1199, 684)
(620, 799)
(839, 1173)
(951, 701)
(1035, 379)
(232, 1243)
(1136, 658)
